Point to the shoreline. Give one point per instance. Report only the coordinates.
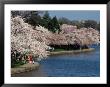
(72, 51)
(29, 67)
(24, 68)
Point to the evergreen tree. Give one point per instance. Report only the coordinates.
(54, 25)
(46, 19)
(98, 26)
(90, 23)
(34, 18)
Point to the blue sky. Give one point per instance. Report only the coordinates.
(77, 15)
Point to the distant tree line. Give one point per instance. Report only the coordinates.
(80, 24)
(43, 18)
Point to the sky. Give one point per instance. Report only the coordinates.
(77, 15)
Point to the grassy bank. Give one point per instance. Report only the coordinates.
(57, 50)
(62, 51)
(24, 68)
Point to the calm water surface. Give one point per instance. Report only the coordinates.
(68, 65)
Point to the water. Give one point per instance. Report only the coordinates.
(69, 65)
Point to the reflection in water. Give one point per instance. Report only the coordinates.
(66, 65)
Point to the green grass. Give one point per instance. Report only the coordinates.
(17, 64)
(59, 50)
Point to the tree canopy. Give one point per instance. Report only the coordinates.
(53, 24)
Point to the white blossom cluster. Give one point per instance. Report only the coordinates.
(81, 36)
(36, 41)
(25, 39)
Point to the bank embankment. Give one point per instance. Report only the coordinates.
(72, 51)
(24, 68)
